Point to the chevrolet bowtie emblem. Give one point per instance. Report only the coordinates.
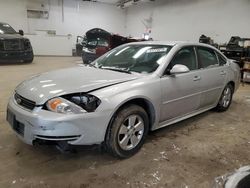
(18, 100)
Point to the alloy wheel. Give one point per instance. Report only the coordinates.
(131, 132)
(226, 97)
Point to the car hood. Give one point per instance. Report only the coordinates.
(10, 36)
(43, 87)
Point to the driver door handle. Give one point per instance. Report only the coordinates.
(196, 78)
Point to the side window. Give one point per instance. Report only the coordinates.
(207, 57)
(221, 59)
(186, 56)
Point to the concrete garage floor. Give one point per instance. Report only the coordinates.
(188, 154)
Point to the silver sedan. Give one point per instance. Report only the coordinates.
(116, 100)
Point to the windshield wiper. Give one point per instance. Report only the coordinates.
(90, 65)
(116, 69)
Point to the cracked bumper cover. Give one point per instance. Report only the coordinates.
(80, 129)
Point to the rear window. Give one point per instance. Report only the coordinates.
(101, 42)
(207, 57)
(221, 59)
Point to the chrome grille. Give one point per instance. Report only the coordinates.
(25, 103)
(14, 44)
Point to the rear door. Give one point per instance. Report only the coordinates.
(213, 75)
(181, 92)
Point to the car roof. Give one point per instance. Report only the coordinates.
(171, 43)
(168, 43)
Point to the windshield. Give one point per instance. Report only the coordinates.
(97, 42)
(6, 29)
(133, 58)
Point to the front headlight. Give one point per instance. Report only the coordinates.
(27, 44)
(73, 104)
(61, 105)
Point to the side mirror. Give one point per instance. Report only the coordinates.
(178, 68)
(21, 32)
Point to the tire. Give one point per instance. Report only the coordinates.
(123, 139)
(225, 99)
(29, 60)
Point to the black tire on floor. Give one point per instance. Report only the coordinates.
(225, 99)
(29, 60)
(133, 121)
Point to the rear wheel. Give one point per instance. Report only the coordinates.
(225, 99)
(127, 132)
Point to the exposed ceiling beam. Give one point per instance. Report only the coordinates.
(127, 3)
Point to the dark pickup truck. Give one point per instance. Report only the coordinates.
(237, 48)
(13, 46)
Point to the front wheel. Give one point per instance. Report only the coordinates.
(29, 60)
(127, 131)
(225, 99)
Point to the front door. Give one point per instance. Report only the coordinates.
(181, 92)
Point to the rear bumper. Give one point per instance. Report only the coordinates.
(82, 129)
(16, 56)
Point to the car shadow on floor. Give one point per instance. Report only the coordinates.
(14, 63)
(84, 157)
(187, 124)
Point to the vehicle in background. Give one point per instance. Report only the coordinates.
(97, 42)
(238, 49)
(207, 40)
(13, 46)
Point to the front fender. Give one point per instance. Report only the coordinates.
(116, 96)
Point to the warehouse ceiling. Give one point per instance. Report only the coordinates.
(122, 3)
(109, 1)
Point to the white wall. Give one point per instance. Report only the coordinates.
(51, 45)
(78, 17)
(188, 19)
(172, 20)
(14, 13)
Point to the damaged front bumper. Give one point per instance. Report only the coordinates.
(39, 124)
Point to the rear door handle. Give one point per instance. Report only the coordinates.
(196, 78)
(222, 73)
